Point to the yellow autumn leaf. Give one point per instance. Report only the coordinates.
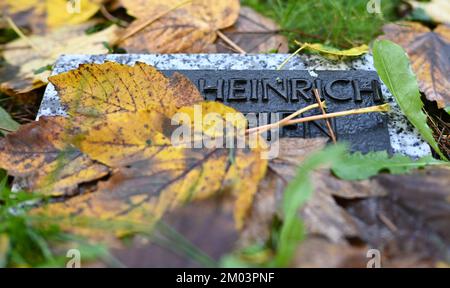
(327, 51)
(331, 51)
(151, 176)
(27, 61)
(44, 15)
(143, 173)
(97, 90)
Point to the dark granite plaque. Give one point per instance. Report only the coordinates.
(273, 95)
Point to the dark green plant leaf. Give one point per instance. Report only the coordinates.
(42, 69)
(393, 66)
(6, 122)
(357, 166)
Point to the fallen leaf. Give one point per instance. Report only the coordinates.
(151, 177)
(292, 151)
(316, 252)
(438, 10)
(410, 221)
(44, 15)
(357, 166)
(179, 239)
(297, 193)
(428, 51)
(7, 124)
(24, 62)
(131, 133)
(392, 65)
(97, 90)
(254, 33)
(320, 214)
(190, 28)
(38, 154)
(333, 52)
(327, 51)
(325, 214)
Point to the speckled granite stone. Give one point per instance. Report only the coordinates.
(404, 138)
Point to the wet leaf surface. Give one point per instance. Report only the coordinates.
(428, 51)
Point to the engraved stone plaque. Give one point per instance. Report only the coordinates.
(218, 75)
(272, 95)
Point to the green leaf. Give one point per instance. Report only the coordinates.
(394, 69)
(296, 194)
(42, 69)
(357, 166)
(3, 182)
(108, 46)
(6, 122)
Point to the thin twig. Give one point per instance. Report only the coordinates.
(150, 21)
(291, 56)
(378, 108)
(6, 130)
(230, 42)
(21, 35)
(317, 94)
(267, 127)
(387, 222)
(111, 17)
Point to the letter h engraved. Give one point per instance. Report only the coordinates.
(374, 89)
(206, 89)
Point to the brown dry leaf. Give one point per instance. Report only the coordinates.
(321, 214)
(254, 33)
(43, 15)
(317, 252)
(404, 216)
(292, 151)
(190, 28)
(428, 51)
(22, 74)
(207, 224)
(38, 154)
(411, 223)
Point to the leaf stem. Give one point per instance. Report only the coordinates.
(267, 127)
(284, 122)
(111, 17)
(291, 56)
(230, 42)
(378, 108)
(21, 35)
(6, 130)
(317, 95)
